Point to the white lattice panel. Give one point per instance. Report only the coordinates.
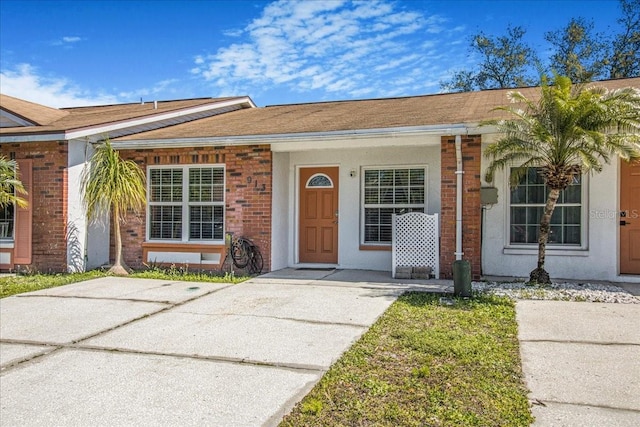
(416, 241)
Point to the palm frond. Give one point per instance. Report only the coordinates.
(569, 124)
(108, 181)
(10, 185)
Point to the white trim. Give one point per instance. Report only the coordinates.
(558, 249)
(104, 129)
(155, 118)
(283, 142)
(551, 251)
(361, 207)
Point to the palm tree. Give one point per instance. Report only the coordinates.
(568, 131)
(10, 184)
(112, 185)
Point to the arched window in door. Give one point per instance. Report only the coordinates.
(319, 180)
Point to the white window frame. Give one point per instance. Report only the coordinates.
(10, 239)
(185, 204)
(11, 223)
(557, 248)
(364, 206)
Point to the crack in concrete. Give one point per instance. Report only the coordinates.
(223, 359)
(615, 408)
(293, 319)
(50, 348)
(604, 343)
(58, 346)
(396, 287)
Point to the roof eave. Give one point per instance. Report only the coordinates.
(99, 132)
(277, 139)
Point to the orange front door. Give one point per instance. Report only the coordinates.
(630, 218)
(318, 215)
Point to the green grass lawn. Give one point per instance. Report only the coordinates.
(426, 364)
(12, 285)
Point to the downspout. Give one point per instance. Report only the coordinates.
(459, 173)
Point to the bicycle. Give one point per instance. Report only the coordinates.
(244, 254)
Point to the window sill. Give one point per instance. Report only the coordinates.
(6, 244)
(551, 251)
(375, 247)
(180, 244)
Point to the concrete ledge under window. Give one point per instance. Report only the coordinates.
(6, 258)
(550, 251)
(202, 256)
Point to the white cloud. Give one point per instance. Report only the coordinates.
(24, 82)
(232, 33)
(66, 41)
(344, 48)
(160, 88)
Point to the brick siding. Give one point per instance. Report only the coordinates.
(471, 207)
(248, 193)
(49, 192)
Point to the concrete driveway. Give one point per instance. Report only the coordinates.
(116, 351)
(581, 362)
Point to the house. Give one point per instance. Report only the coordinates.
(51, 147)
(314, 185)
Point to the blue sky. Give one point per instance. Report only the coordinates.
(72, 53)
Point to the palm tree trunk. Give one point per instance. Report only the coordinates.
(119, 267)
(540, 275)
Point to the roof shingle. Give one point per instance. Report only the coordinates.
(440, 109)
(67, 119)
(35, 113)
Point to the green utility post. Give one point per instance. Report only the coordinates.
(462, 278)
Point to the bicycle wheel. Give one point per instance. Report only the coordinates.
(239, 253)
(256, 263)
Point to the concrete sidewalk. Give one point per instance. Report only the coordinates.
(116, 351)
(581, 362)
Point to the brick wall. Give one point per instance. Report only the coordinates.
(49, 205)
(471, 207)
(247, 198)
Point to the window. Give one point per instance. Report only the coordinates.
(186, 203)
(6, 222)
(7, 215)
(386, 192)
(320, 180)
(527, 202)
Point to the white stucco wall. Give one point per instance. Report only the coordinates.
(87, 244)
(598, 260)
(349, 253)
(76, 219)
(280, 225)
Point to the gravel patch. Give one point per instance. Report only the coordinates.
(588, 292)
